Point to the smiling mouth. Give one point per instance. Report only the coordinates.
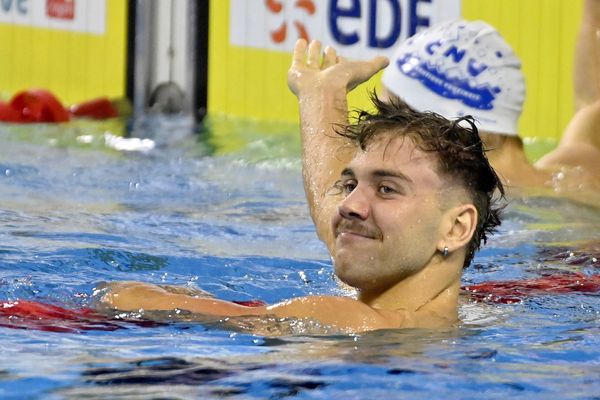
(354, 233)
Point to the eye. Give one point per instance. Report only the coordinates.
(348, 186)
(343, 187)
(387, 190)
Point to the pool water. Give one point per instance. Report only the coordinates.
(225, 211)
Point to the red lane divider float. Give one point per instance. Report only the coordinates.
(35, 315)
(508, 292)
(26, 314)
(40, 105)
(250, 303)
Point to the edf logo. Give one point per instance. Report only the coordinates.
(337, 13)
(340, 11)
(358, 28)
(280, 34)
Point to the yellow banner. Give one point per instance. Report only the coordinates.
(74, 48)
(249, 80)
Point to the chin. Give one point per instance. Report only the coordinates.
(344, 271)
(353, 273)
(361, 284)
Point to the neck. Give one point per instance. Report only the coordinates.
(435, 286)
(503, 147)
(507, 156)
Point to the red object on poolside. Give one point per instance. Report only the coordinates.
(508, 292)
(38, 105)
(9, 114)
(100, 108)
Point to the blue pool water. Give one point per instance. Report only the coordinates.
(230, 217)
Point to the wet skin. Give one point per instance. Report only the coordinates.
(387, 225)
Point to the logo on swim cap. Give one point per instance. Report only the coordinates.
(460, 68)
(435, 79)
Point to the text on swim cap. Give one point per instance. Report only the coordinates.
(473, 67)
(456, 88)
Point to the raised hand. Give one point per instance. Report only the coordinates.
(312, 71)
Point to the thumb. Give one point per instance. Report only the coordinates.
(380, 62)
(366, 70)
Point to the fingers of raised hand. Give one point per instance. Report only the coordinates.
(329, 57)
(314, 54)
(299, 52)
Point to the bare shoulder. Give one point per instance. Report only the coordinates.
(344, 313)
(352, 315)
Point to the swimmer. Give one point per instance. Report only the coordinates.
(466, 68)
(402, 202)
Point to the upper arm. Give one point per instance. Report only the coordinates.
(584, 127)
(580, 143)
(586, 77)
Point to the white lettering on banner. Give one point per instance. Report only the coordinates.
(88, 16)
(358, 29)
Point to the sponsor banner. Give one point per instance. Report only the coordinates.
(356, 28)
(88, 16)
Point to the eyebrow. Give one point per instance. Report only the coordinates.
(347, 172)
(380, 173)
(384, 173)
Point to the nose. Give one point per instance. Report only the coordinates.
(355, 205)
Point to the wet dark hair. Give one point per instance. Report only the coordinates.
(458, 149)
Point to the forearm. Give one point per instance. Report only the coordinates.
(325, 153)
(135, 296)
(586, 79)
(321, 86)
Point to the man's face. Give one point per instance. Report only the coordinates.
(388, 224)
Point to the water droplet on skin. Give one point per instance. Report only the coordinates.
(302, 276)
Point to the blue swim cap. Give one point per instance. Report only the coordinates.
(460, 68)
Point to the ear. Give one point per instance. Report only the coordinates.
(458, 227)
